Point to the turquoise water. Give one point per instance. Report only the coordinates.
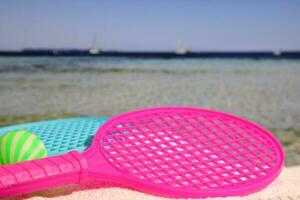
(69, 63)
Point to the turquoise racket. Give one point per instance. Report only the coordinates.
(62, 135)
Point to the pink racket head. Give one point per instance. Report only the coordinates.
(185, 152)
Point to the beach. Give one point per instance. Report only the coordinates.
(264, 91)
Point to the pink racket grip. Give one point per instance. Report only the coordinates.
(35, 175)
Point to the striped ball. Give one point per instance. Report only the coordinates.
(20, 145)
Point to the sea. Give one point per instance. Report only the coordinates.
(63, 64)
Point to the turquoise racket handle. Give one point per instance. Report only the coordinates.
(41, 174)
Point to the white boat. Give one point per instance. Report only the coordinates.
(181, 51)
(94, 51)
(277, 53)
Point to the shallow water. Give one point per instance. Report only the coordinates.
(264, 91)
(39, 63)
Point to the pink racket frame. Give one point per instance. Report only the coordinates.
(75, 168)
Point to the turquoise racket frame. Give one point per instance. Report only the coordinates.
(62, 135)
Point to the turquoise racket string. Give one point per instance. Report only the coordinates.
(62, 135)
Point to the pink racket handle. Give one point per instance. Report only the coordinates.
(41, 174)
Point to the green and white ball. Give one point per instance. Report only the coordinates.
(19, 146)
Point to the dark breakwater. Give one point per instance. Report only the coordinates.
(166, 55)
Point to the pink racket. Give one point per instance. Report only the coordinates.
(168, 151)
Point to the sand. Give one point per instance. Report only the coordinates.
(285, 187)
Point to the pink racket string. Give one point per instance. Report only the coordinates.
(192, 150)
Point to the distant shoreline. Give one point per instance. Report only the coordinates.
(165, 54)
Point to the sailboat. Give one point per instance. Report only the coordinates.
(277, 53)
(94, 50)
(181, 50)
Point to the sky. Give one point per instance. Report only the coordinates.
(156, 25)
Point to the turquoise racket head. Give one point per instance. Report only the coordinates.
(62, 135)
